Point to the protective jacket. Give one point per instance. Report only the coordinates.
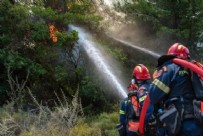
(173, 81)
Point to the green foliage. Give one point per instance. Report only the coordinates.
(5, 39)
(39, 3)
(44, 54)
(60, 74)
(118, 54)
(23, 27)
(84, 129)
(92, 97)
(115, 52)
(47, 13)
(14, 60)
(103, 125)
(5, 5)
(26, 46)
(180, 18)
(14, 22)
(107, 123)
(70, 38)
(18, 13)
(19, 23)
(78, 14)
(83, 13)
(79, 71)
(19, 67)
(81, 19)
(40, 31)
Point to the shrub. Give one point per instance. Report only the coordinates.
(41, 121)
(107, 123)
(85, 130)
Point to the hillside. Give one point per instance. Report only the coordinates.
(64, 68)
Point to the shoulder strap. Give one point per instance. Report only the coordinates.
(135, 104)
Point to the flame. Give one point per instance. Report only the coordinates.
(52, 31)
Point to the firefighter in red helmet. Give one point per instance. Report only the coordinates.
(172, 91)
(142, 77)
(140, 72)
(132, 105)
(179, 51)
(129, 111)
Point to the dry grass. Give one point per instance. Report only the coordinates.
(8, 127)
(42, 121)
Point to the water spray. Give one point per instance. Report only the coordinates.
(154, 54)
(96, 57)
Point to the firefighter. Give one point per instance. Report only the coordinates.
(129, 111)
(131, 108)
(172, 90)
(142, 77)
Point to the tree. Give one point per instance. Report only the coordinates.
(182, 18)
(26, 45)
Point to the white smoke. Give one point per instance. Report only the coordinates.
(120, 28)
(111, 3)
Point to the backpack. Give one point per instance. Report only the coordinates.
(196, 69)
(198, 110)
(132, 114)
(197, 82)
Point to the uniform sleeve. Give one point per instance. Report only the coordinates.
(160, 86)
(122, 111)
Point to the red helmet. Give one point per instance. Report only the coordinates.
(179, 50)
(140, 72)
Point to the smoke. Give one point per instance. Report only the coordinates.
(120, 27)
(143, 36)
(111, 18)
(138, 35)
